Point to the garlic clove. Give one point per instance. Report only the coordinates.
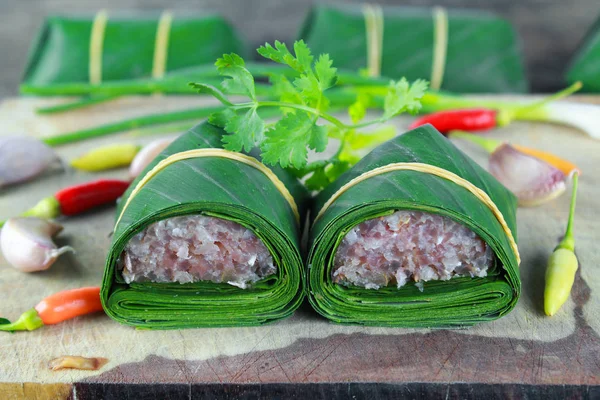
(22, 158)
(146, 155)
(532, 180)
(27, 244)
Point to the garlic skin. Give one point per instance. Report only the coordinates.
(22, 158)
(27, 244)
(146, 155)
(77, 362)
(532, 180)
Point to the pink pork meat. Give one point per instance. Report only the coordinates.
(196, 248)
(409, 246)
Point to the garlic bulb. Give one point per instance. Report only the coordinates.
(27, 244)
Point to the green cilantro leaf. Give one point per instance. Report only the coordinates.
(277, 53)
(300, 95)
(280, 54)
(318, 138)
(335, 132)
(360, 140)
(326, 173)
(234, 66)
(318, 180)
(335, 169)
(313, 79)
(348, 155)
(209, 89)
(287, 141)
(308, 168)
(285, 90)
(303, 55)
(403, 97)
(357, 111)
(309, 89)
(246, 131)
(229, 86)
(325, 72)
(221, 118)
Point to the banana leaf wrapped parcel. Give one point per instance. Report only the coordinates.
(109, 47)
(416, 234)
(463, 51)
(206, 237)
(585, 66)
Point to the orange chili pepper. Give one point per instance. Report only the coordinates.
(490, 145)
(57, 308)
(566, 167)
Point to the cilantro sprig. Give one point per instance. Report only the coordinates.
(305, 123)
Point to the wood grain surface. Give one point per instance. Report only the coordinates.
(550, 30)
(524, 354)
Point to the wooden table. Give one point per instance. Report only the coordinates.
(524, 354)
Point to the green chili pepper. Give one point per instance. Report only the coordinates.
(562, 265)
(106, 157)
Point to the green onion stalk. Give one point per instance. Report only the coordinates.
(349, 89)
(152, 124)
(77, 104)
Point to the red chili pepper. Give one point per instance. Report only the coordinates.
(477, 119)
(77, 199)
(58, 308)
(481, 119)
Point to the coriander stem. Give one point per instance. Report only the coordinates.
(488, 144)
(366, 123)
(311, 110)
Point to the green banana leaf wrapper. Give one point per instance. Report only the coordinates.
(222, 188)
(483, 52)
(585, 66)
(457, 302)
(60, 54)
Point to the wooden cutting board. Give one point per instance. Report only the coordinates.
(522, 354)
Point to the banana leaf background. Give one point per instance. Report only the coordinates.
(221, 188)
(483, 53)
(454, 303)
(585, 66)
(60, 53)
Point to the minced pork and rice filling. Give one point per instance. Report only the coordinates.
(409, 246)
(196, 248)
